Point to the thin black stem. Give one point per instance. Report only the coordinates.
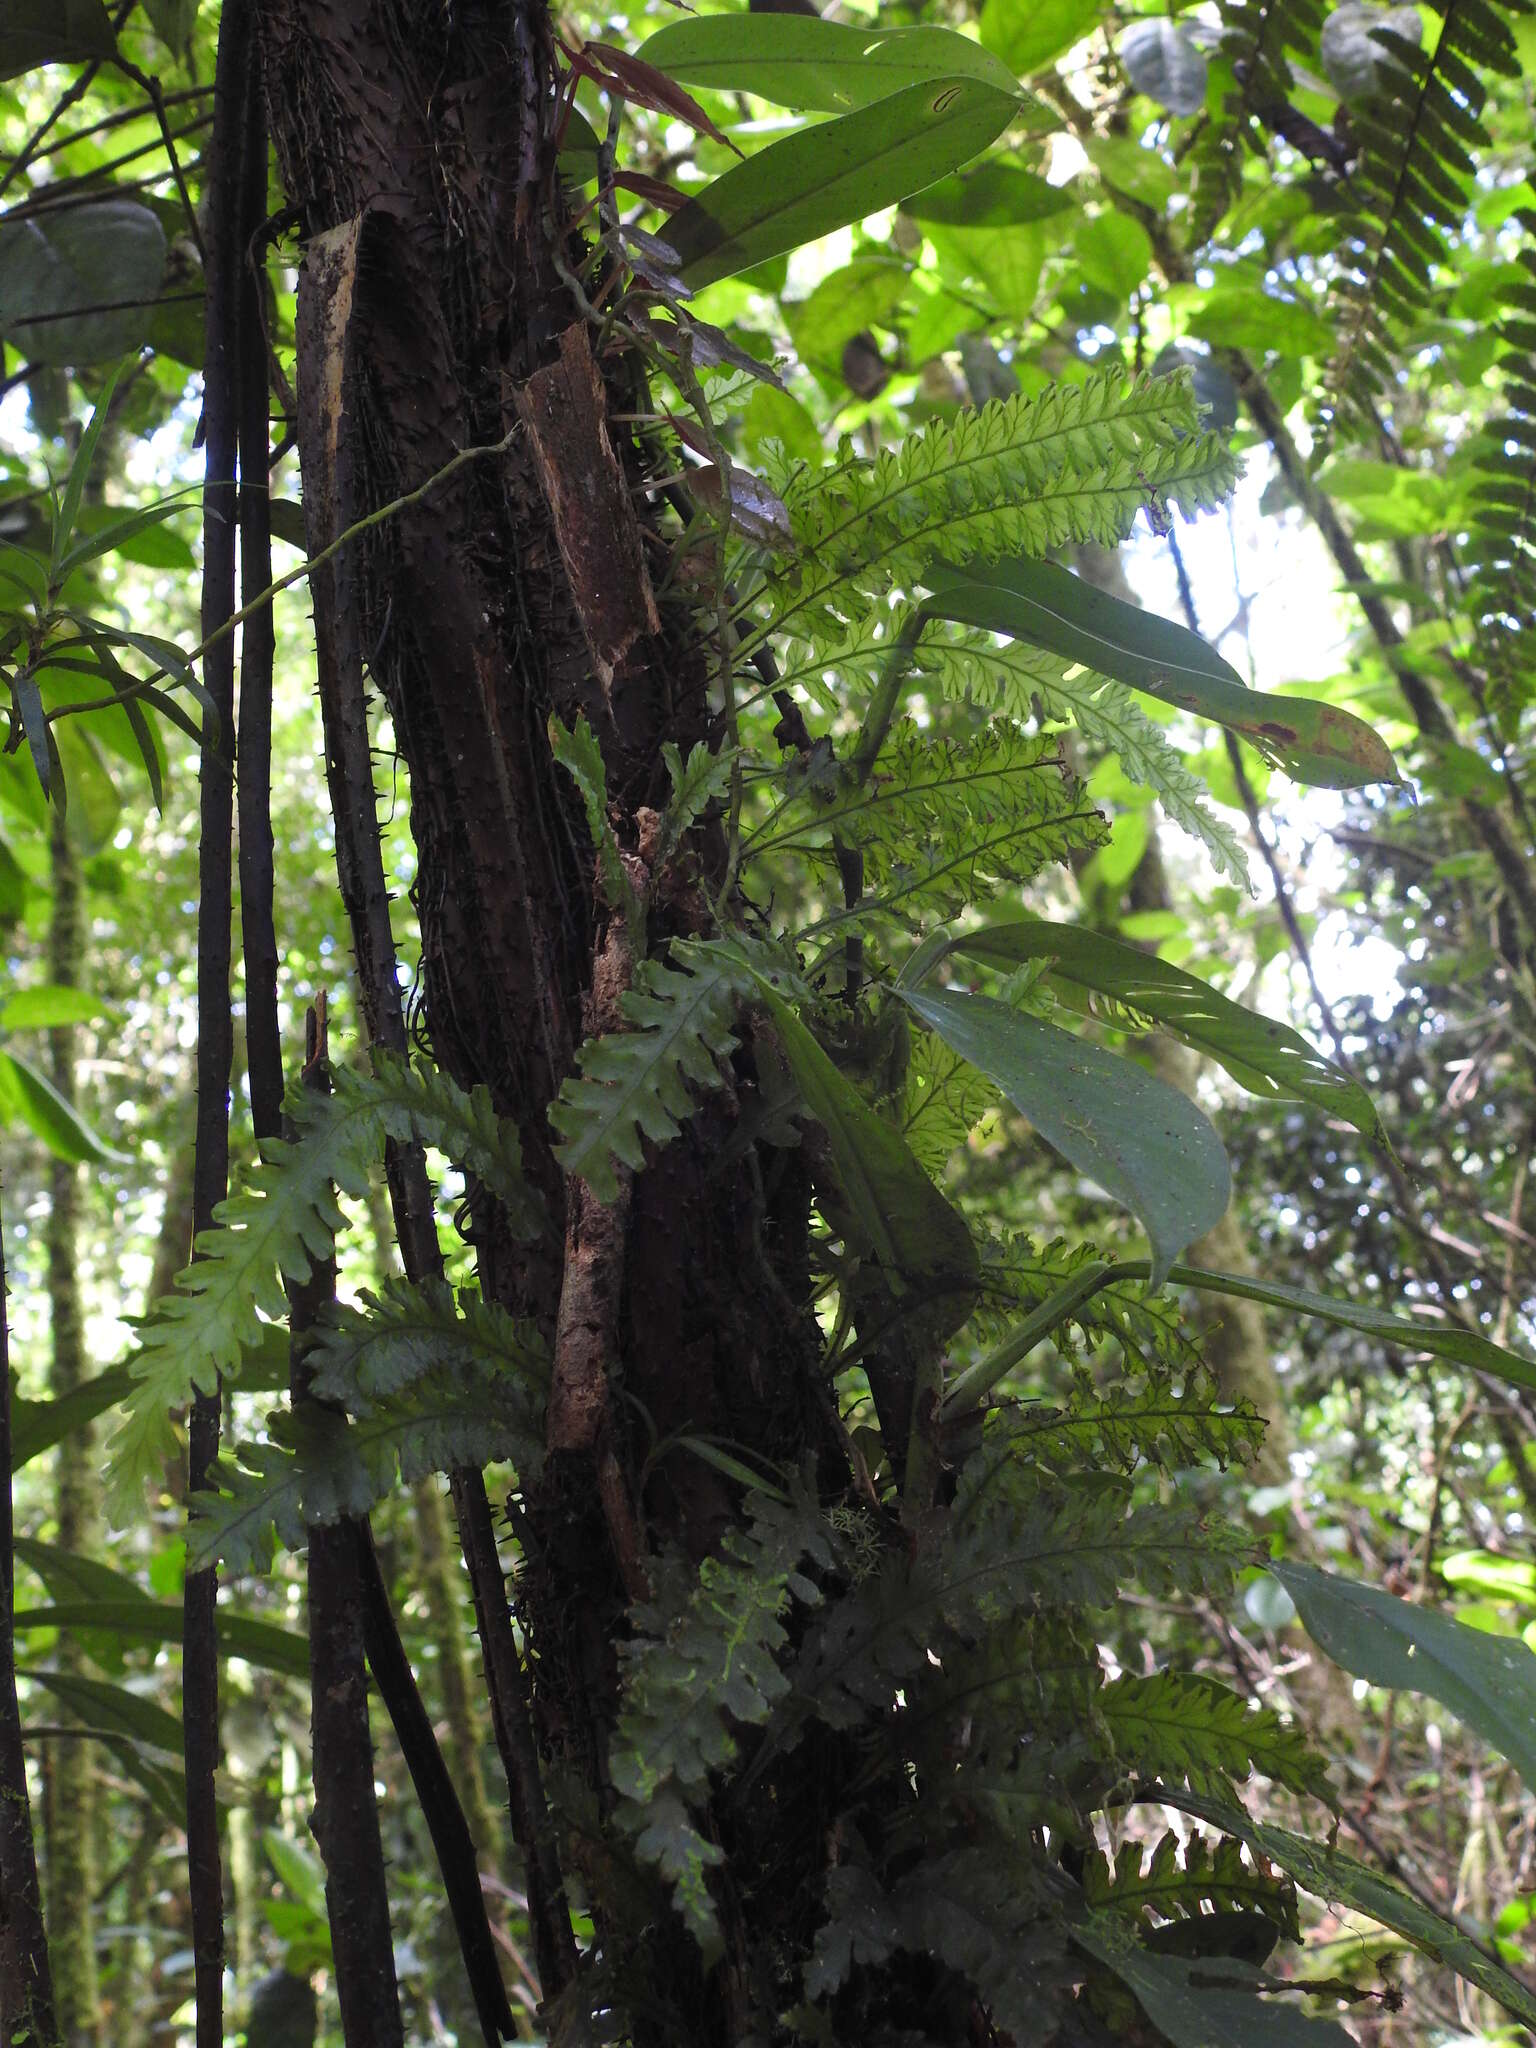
(26, 1981)
(215, 1030)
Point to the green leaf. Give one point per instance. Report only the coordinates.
(921, 1241)
(29, 1095)
(1269, 1059)
(578, 753)
(138, 1620)
(58, 268)
(302, 1872)
(821, 66)
(1115, 253)
(1489, 1681)
(1249, 317)
(1188, 2000)
(993, 195)
(1141, 1141)
(1440, 1340)
(1027, 34)
(801, 188)
(49, 1004)
(1331, 1875)
(34, 32)
(80, 468)
(1050, 607)
(113, 1708)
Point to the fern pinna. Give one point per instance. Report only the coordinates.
(855, 1740)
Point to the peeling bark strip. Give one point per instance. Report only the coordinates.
(565, 411)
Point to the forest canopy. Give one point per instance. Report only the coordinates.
(766, 1023)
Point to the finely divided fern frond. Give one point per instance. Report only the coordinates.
(1026, 681)
(700, 1667)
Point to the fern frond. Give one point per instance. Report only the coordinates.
(1028, 681)
(942, 824)
(1410, 188)
(633, 1085)
(1179, 1726)
(1176, 1880)
(287, 1217)
(1260, 37)
(1130, 1426)
(1502, 551)
(1149, 1326)
(1020, 476)
(318, 1467)
(576, 749)
(698, 782)
(699, 1668)
(946, 1098)
(361, 1356)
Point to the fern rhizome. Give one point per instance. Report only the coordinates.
(860, 1727)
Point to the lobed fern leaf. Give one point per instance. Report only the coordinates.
(633, 1085)
(701, 1666)
(1176, 1880)
(361, 1356)
(698, 782)
(941, 825)
(1176, 1725)
(945, 1099)
(286, 1218)
(318, 1467)
(1129, 1426)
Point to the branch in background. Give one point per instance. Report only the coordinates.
(26, 1981)
(1505, 1406)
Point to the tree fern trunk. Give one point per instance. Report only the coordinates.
(417, 147)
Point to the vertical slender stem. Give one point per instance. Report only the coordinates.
(26, 1982)
(215, 1038)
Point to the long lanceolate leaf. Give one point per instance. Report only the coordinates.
(284, 1220)
(823, 177)
(1269, 1059)
(1048, 606)
(823, 67)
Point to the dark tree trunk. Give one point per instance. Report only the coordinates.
(417, 147)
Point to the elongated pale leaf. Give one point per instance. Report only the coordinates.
(1050, 607)
(1488, 1681)
(48, 1004)
(137, 1620)
(821, 66)
(1440, 1340)
(801, 188)
(1269, 1059)
(1143, 1142)
(1330, 1874)
(922, 1243)
(32, 1097)
(60, 272)
(1165, 64)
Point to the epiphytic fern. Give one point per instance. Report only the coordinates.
(1176, 1881)
(1181, 1727)
(274, 1229)
(940, 825)
(634, 1084)
(1502, 548)
(1021, 476)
